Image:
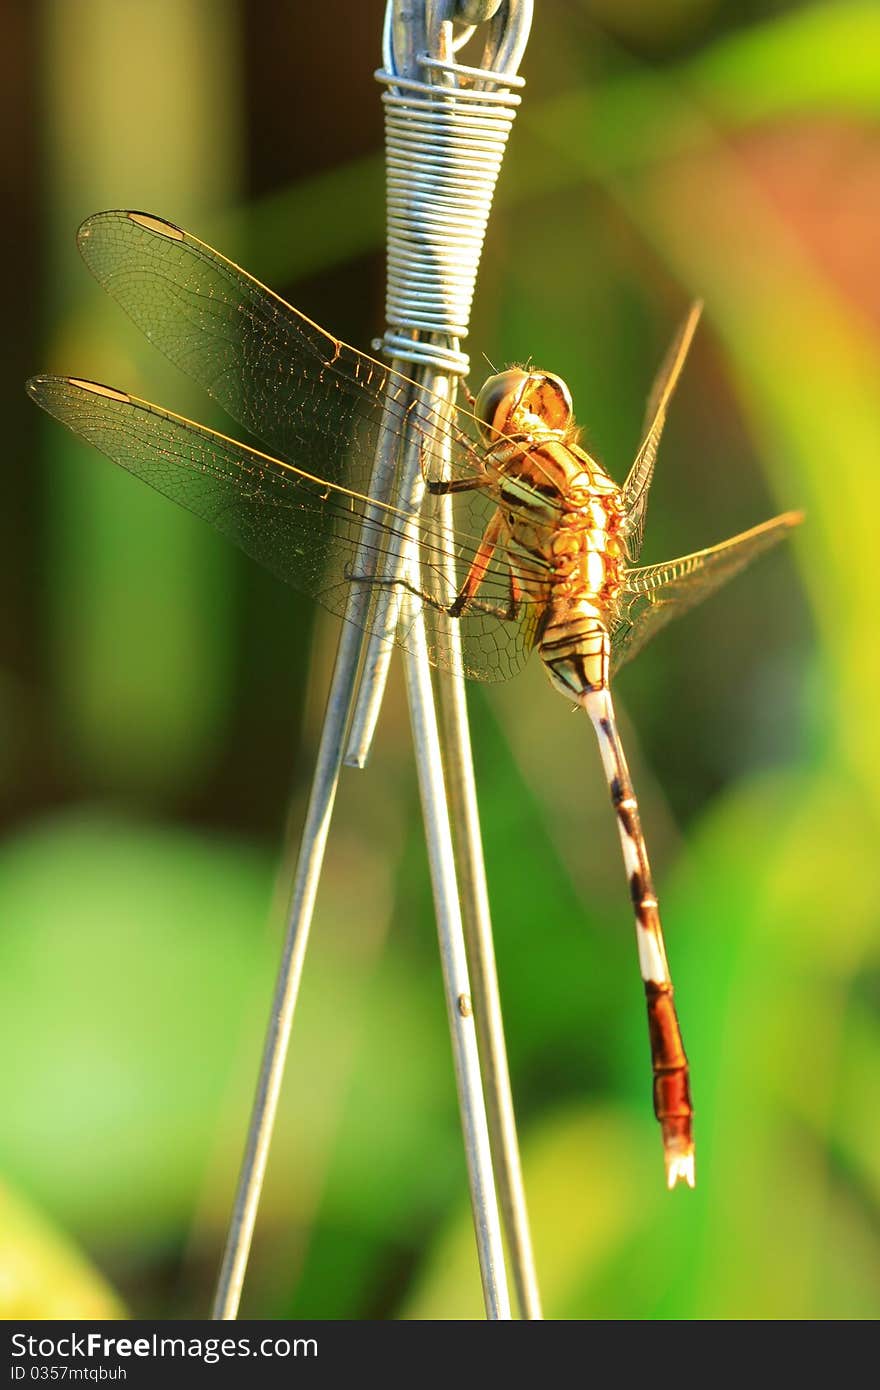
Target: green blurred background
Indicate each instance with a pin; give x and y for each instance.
(160, 697)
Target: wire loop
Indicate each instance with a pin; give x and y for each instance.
(445, 141)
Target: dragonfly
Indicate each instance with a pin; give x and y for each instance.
(520, 539)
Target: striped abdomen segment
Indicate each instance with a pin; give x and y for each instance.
(672, 1100)
(575, 648)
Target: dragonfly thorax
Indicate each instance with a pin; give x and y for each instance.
(524, 403)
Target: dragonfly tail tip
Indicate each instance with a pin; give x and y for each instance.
(680, 1166)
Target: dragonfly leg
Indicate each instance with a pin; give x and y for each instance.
(672, 1100)
(439, 488)
(466, 596)
(515, 597)
(493, 610)
(465, 600)
(478, 567)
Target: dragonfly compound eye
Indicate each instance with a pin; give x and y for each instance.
(497, 402)
(546, 403)
(518, 402)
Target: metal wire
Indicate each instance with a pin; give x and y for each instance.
(438, 206)
(300, 912)
(510, 40)
(477, 11)
(444, 145)
(460, 1007)
(445, 140)
(476, 917)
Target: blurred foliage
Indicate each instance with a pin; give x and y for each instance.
(43, 1275)
(158, 697)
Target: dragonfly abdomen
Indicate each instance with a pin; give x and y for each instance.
(575, 646)
(672, 1093)
(669, 1064)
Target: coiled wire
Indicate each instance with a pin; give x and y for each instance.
(445, 141)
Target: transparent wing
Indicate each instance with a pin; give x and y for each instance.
(638, 483)
(304, 394)
(301, 527)
(655, 594)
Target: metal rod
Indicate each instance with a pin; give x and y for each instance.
(477, 922)
(302, 903)
(429, 755)
(308, 873)
(411, 32)
(453, 957)
(460, 787)
(404, 35)
(438, 835)
(429, 761)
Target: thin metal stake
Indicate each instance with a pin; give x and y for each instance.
(461, 790)
(476, 919)
(453, 956)
(302, 905)
(462, 999)
(308, 873)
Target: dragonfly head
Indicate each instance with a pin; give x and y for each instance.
(520, 402)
